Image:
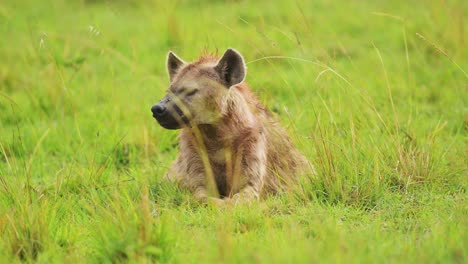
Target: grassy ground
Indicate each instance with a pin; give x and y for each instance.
(373, 93)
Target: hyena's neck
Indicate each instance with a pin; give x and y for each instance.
(231, 129)
(222, 134)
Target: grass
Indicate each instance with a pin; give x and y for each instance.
(372, 92)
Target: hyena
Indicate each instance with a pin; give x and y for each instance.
(231, 146)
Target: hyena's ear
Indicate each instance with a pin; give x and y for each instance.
(231, 68)
(174, 63)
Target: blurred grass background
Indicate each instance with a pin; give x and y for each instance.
(372, 92)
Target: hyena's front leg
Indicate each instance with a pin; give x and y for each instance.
(191, 175)
(252, 190)
(196, 183)
(252, 170)
(179, 172)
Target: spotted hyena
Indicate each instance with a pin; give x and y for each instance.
(231, 146)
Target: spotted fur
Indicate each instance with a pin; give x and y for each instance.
(232, 147)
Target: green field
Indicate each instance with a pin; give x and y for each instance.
(374, 94)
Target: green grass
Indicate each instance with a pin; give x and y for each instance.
(372, 92)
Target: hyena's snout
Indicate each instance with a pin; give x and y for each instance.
(159, 110)
(168, 114)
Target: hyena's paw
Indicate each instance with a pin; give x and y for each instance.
(216, 201)
(241, 198)
(205, 200)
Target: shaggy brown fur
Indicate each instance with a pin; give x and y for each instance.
(231, 147)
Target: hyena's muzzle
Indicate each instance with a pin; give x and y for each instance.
(168, 114)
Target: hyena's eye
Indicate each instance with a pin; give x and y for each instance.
(191, 93)
(186, 92)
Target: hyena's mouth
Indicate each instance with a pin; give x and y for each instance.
(173, 123)
(170, 117)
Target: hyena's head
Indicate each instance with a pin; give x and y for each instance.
(197, 89)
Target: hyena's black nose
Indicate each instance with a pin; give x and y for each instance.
(158, 110)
